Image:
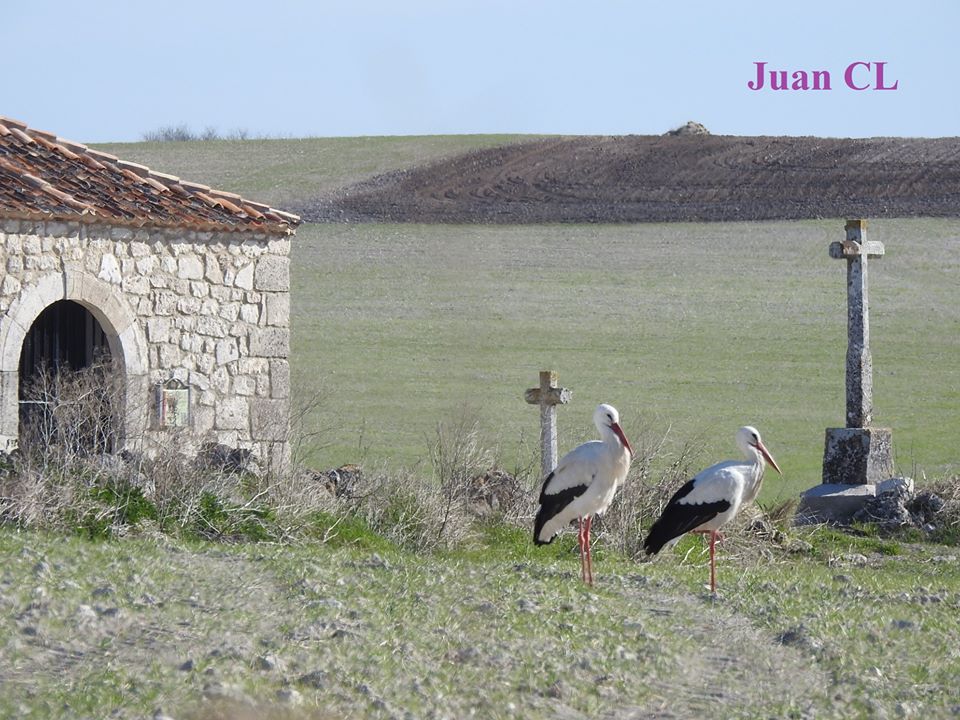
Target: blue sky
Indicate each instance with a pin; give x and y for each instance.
(111, 71)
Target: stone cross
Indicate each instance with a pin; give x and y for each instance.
(548, 396)
(858, 458)
(856, 249)
(858, 454)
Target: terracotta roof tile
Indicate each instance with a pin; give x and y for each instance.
(45, 177)
(21, 135)
(141, 170)
(252, 211)
(156, 184)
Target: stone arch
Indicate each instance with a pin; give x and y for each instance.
(125, 337)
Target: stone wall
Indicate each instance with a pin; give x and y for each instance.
(210, 309)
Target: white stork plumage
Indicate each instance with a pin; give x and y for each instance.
(713, 497)
(583, 484)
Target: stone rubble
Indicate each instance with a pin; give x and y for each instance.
(900, 506)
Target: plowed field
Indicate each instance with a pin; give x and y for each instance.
(662, 178)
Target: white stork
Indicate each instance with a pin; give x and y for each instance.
(583, 484)
(712, 498)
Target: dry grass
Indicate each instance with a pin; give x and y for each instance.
(408, 509)
(659, 468)
(947, 488)
(68, 475)
(64, 478)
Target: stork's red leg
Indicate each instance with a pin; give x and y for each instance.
(583, 567)
(713, 562)
(588, 521)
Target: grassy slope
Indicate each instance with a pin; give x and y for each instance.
(97, 630)
(279, 172)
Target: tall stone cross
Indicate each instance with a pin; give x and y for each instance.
(858, 454)
(548, 396)
(856, 250)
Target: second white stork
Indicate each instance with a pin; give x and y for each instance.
(583, 484)
(713, 497)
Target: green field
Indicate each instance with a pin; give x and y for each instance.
(284, 172)
(695, 327)
(698, 327)
(852, 628)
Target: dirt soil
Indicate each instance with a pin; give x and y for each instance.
(663, 178)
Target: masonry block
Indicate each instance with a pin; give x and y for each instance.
(190, 267)
(9, 407)
(270, 419)
(232, 413)
(857, 456)
(273, 274)
(833, 502)
(279, 379)
(278, 309)
(270, 342)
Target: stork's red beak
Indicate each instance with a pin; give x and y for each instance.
(623, 438)
(768, 457)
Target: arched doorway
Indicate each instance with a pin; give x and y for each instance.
(66, 391)
(124, 336)
(64, 336)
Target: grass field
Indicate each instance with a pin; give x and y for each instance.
(698, 327)
(695, 327)
(282, 172)
(853, 627)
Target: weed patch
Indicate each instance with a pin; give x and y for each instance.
(116, 509)
(347, 531)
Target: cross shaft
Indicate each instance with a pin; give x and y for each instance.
(548, 396)
(856, 250)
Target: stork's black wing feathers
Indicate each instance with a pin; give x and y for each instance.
(551, 504)
(679, 518)
(543, 487)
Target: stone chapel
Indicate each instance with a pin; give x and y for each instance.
(185, 289)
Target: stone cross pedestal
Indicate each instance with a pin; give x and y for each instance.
(548, 396)
(858, 456)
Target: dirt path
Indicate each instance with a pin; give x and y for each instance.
(724, 664)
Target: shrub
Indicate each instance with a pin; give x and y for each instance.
(182, 133)
(66, 477)
(68, 414)
(170, 133)
(947, 522)
(657, 471)
(457, 455)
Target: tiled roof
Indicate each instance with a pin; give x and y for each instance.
(43, 177)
